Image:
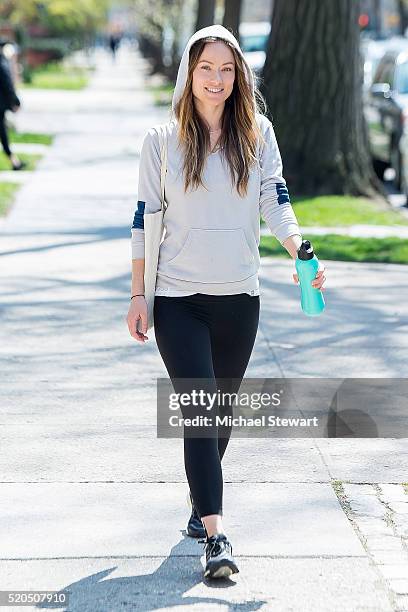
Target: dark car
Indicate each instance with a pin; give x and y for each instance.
(386, 112)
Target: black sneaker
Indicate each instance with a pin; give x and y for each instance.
(218, 555)
(195, 527)
(19, 166)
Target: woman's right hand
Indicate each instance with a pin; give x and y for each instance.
(137, 311)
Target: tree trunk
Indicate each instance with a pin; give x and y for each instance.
(403, 14)
(232, 16)
(205, 13)
(313, 88)
(153, 51)
(378, 18)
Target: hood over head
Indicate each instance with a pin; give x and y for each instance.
(214, 30)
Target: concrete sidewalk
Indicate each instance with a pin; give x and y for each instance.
(90, 500)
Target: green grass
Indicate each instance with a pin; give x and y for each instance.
(55, 75)
(345, 248)
(7, 192)
(30, 159)
(9, 189)
(30, 137)
(334, 210)
(344, 210)
(162, 94)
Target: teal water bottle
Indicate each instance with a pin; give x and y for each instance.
(307, 265)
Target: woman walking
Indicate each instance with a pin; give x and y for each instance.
(224, 170)
(8, 101)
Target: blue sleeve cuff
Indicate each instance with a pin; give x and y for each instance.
(138, 222)
(283, 194)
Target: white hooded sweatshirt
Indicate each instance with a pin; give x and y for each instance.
(211, 235)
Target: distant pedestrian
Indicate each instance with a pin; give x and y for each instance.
(114, 42)
(8, 101)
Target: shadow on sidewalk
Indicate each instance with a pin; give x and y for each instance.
(164, 588)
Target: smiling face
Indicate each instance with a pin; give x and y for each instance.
(214, 75)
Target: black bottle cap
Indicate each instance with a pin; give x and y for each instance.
(305, 251)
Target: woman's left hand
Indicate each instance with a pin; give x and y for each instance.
(318, 280)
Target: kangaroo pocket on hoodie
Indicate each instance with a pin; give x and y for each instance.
(212, 256)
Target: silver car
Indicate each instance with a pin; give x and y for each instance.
(253, 40)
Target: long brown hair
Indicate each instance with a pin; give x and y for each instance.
(240, 131)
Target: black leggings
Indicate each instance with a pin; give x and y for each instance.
(211, 337)
(3, 134)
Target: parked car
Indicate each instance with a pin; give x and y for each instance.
(404, 164)
(386, 112)
(372, 51)
(253, 40)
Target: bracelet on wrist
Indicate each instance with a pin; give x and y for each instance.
(137, 295)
